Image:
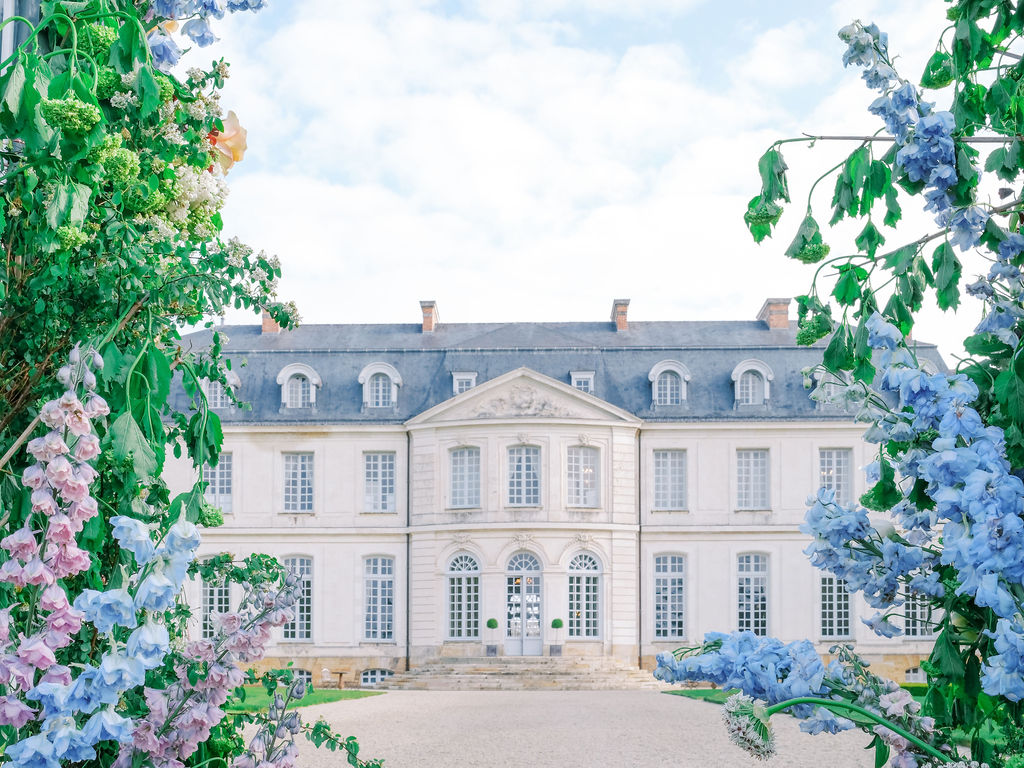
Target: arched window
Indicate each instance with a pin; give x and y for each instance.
(299, 392)
(752, 382)
(670, 597)
(301, 628)
(523, 603)
(582, 476)
(750, 388)
(752, 593)
(523, 561)
(584, 596)
(668, 380)
(380, 385)
(299, 384)
(463, 597)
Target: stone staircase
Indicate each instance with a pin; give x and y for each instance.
(524, 673)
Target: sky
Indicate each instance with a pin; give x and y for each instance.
(536, 159)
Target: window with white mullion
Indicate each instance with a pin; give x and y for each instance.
(298, 482)
(380, 391)
(379, 474)
(670, 479)
(752, 479)
(668, 389)
(582, 471)
(217, 395)
(584, 596)
(919, 619)
(301, 627)
(299, 392)
(464, 598)
(465, 478)
(752, 594)
(216, 599)
(524, 476)
(835, 472)
(379, 613)
(750, 388)
(218, 479)
(670, 597)
(835, 608)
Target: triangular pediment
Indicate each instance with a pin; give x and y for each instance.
(523, 394)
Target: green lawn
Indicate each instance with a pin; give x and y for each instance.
(256, 698)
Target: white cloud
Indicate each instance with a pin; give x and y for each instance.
(509, 165)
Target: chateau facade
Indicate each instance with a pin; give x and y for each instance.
(643, 482)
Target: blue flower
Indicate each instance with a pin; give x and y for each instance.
(213, 8)
(992, 594)
(966, 227)
(882, 334)
(52, 697)
(164, 50)
(183, 536)
(1012, 246)
(156, 592)
(88, 692)
(133, 535)
(905, 97)
(149, 644)
(107, 609)
(107, 725)
(200, 32)
(881, 626)
(120, 672)
(1003, 672)
(33, 752)
(69, 743)
(245, 5)
(825, 721)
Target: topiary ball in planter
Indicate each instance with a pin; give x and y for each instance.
(492, 623)
(556, 624)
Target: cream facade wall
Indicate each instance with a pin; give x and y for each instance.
(622, 530)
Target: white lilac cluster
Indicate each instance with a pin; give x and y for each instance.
(182, 714)
(198, 195)
(927, 152)
(747, 727)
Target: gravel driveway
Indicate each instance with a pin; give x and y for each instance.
(568, 729)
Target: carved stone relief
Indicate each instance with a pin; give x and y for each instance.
(522, 400)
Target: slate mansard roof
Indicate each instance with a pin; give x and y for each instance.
(621, 362)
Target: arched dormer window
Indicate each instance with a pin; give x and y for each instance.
(752, 382)
(299, 383)
(380, 385)
(668, 383)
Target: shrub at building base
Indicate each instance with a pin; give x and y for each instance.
(113, 179)
(950, 447)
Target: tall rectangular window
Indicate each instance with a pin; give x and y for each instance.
(379, 614)
(670, 597)
(752, 479)
(216, 599)
(298, 482)
(302, 627)
(835, 472)
(918, 618)
(582, 476)
(218, 479)
(524, 476)
(835, 609)
(752, 593)
(465, 477)
(670, 479)
(379, 478)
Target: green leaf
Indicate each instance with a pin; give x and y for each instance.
(884, 494)
(945, 656)
(127, 440)
(947, 269)
(773, 176)
(14, 89)
(807, 246)
(900, 260)
(1009, 390)
(148, 91)
(1005, 161)
(893, 211)
(986, 345)
(839, 352)
(938, 72)
(847, 290)
(846, 199)
(760, 217)
(881, 751)
(869, 239)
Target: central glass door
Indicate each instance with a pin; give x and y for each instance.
(523, 613)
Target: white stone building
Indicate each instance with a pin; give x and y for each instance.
(641, 482)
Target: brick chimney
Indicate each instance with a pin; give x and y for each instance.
(270, 324)
(431, 318)
(775, 314)
(619, 309)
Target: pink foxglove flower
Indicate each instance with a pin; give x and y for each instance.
(42, 501)
(74, 488)
(34, 477)
(58, 673)
(21, 544)
(15, 712)
(69, 402)
(66, 622)
(59, 471)
(52, 415)
(36, 653)
(5, 625)
(37, 573)
(54, 598)
(62, 529)
(87, 447)
(79, 423)
(83, 510)
(68, 561)
(96, 406)
(12, 572)
(55, 444)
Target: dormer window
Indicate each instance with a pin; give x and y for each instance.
(583, 381)
(299, 384)
(668, 383)
(380, 385)
(463, 381)
(752, 383)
